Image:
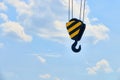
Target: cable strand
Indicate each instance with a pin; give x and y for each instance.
(80, 9)
(68, 10)
(84, 10)
(72, 8)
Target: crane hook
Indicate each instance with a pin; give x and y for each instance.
(74, 47)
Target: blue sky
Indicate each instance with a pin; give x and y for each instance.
(35, 45)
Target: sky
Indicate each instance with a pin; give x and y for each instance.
(35, 45)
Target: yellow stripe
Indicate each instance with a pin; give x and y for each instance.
(69, 23)
(74, 34)
(75, 26)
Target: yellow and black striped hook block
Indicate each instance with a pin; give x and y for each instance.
(75, 29)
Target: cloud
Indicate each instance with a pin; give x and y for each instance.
(101, 65)
(59, 32)
(16, 28)
(40, 58)
(4, 17)
(94, 19)
(3, 6)
(97, 32)
(57, 78)
(36, 11)
(56, 33)
(45, 76)
(48, 76)
(1, 45)
(21, 6)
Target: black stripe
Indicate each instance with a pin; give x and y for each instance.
(78, 28)
(79, 35)
(72, 24)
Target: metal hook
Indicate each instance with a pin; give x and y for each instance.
(74, 47)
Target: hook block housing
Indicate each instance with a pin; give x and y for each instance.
(75, 29)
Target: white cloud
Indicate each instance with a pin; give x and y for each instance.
(3, 6)
(16, 28)
(57, 78)
(58, 31)
(4, 17)
(48, 76)
(35, 10)
(40, 58)
(1, 45)
(45, 76)
(21, 6)
(94, 19)
(97, 32)
(101, 65)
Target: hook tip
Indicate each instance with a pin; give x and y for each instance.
(74, 47)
